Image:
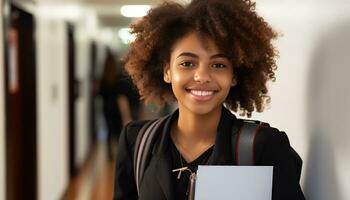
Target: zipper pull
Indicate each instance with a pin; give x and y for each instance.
(192, 186)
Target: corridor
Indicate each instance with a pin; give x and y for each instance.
(65, 95)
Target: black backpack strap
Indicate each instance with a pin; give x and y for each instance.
(143, 146)
(245, 142)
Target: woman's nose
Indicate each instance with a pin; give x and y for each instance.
(202, 75)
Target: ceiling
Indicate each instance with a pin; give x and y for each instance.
(107, 11)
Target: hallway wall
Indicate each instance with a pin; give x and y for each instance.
(83, 39)
(2, 113)
(82, 117)
(52, 90)
(311, 97)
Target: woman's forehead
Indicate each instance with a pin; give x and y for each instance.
(194, 42)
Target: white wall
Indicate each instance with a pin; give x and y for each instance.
(2, 113)
(52, 107)
(311, 97)
(82, 104)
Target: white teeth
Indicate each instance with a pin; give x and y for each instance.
(202, 93)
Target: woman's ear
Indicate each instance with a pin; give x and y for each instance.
(234, 82)
(166, 74)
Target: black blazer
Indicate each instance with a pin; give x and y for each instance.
(273, 149)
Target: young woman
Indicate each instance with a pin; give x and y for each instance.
(212, 57)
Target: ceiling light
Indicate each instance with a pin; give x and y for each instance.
(134, 10)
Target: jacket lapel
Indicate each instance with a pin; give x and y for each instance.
(163, 155)
(163, 174)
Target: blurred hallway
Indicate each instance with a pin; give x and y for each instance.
(53, 58)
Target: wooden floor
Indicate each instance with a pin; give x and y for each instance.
(96, 179)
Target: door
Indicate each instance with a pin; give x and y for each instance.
(20, 101)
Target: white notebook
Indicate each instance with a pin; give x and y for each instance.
(233, 182)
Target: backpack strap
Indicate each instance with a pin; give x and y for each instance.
(245, 141)
(143, 146)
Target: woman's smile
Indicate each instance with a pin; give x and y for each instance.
(201, 95)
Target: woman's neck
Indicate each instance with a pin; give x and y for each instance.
(193, 134)
(194, 128)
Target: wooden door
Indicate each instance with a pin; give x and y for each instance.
(21, 104)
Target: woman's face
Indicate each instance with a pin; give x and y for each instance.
(200, 75)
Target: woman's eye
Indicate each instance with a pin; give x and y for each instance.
(219, 65)
(187, 64)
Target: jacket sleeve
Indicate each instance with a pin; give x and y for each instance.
(125, 187)
(276, 152)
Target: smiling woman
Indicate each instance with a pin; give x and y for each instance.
(203, 55)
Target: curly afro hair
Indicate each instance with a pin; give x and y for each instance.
(235, 28)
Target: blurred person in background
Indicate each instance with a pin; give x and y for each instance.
(120, 99)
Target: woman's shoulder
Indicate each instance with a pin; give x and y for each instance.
(272, 136)
(273, 148)
(131, 130)
(272, 145)
(135, 125)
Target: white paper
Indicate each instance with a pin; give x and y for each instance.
(233, 182)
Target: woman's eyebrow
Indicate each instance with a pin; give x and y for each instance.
(219, 55)
(189, 54)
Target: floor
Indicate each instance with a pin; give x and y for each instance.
(96, 179)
